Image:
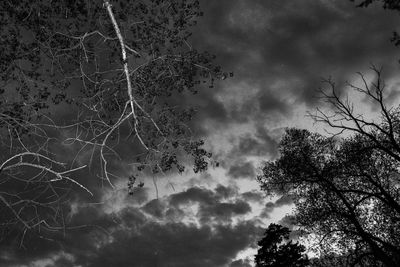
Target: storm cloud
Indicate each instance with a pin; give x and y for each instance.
(278, 52)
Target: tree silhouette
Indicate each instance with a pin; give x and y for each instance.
(346, 190)
(93, 85)
(276, 251)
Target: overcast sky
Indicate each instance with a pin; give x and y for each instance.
(278, 52)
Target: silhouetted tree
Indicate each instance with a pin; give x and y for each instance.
(346, 190)
(93, 84)
(276, 251)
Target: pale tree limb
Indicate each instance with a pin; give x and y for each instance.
(132, 100)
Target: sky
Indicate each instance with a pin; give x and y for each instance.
(279, 51)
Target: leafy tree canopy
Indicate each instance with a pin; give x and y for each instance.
(276, 251)
(346, 190)
(93, 85)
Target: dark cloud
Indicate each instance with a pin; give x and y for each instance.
(289, 221)
(226, 191)
(155, 207)
(242, 170)
(83, 232)
(203, 195)
(284, 200)
(262, 143)
(174, 244)
(251, 146)
(211, 204)
(278, 51)
(194, 194)
(270, 206)
(281, 50)
(224, 211)
(269, 102)
(208, 105)
(174, 214)
(139, 195)
(254, 196)
(296, 233)
(129, 236)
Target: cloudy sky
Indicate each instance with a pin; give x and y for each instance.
(278, 52)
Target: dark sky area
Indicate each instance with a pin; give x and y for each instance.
(278, 52)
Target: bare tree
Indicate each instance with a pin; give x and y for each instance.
(383, 134)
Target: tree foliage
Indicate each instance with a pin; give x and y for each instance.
(346, 190)
(93, 84)
(276, 251)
